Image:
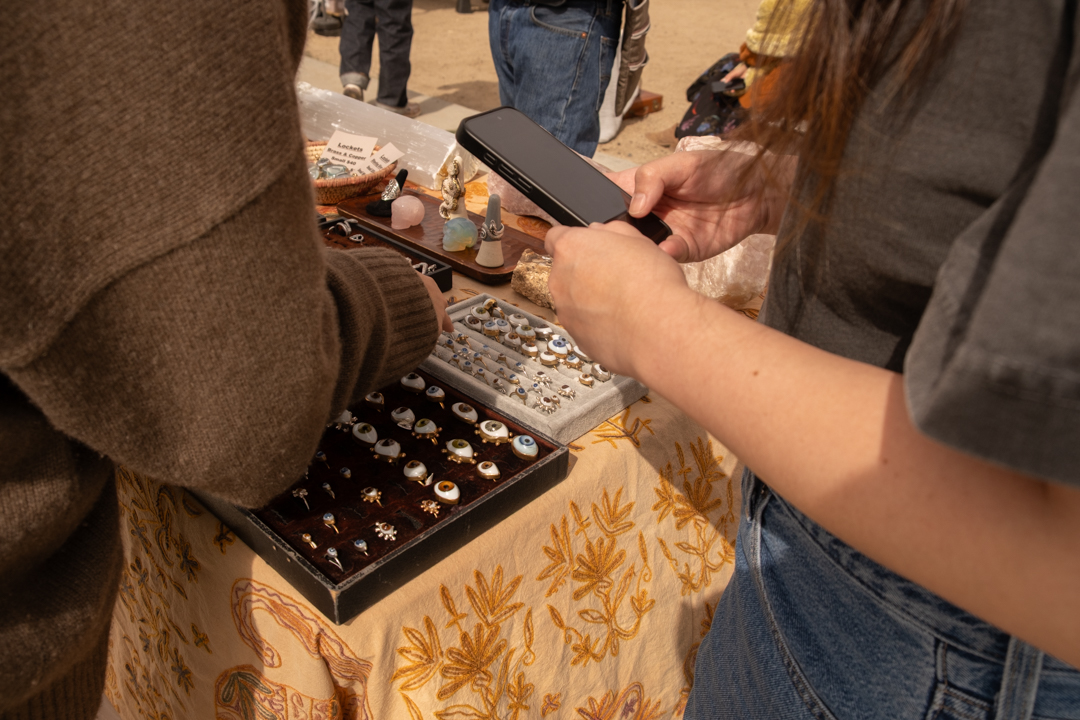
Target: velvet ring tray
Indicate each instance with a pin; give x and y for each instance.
(516, 363)
(347, 233)
(390, 493)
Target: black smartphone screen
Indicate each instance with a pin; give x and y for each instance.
(549, 173)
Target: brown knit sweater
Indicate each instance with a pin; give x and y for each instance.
(165, 302)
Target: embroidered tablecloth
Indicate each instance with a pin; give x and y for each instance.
(588, 603)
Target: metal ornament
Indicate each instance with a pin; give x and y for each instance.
(447, 492)
(332, 556)
(372, 495)
(329, 490)
(306, 537)
(493, 431)
(360, 545)
(426, 429)
(301, 494)
(387, 450)
(488, 470)
(413, 383)
(328, 521)
(524, 447)
(459, 451)
(385, 531)
(430, 506)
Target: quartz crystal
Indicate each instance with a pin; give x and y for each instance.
(407, 211)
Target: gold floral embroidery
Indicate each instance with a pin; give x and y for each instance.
(484, 672)
(614, 429)
(161, 566)
(631, 704)
(552, 702)
(691, 658)
(244, 693)
(224, 537)
(595, 571)
(710, 548)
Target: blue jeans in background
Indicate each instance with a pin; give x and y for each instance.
(810, 628)
(554, 62)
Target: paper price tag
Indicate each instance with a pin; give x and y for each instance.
(381, 159)
(352, 151)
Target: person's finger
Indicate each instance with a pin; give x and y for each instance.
(624, 179)
(676, 247)
(553, 237)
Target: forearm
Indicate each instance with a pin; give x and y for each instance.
(833, 436)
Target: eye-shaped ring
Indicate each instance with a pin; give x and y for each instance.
(542, 377)
(512, 339)
(521, 394)
(517, 319)
(586, 379)
(387, 450)
(465, 412)
(416, 470)
(332, 556)
(600, 372)
(474, 323)
(491, 328)
(426, 429)
(567, 391)
(503, 326)
(543, 332)
(360, 545)
(525, 447)
(413, 383)
(436, 394)
(580, 354)
(493, 431)
(462, 339)
(404, 417)
(529, 349)
(365, 433)
(480, 313)
(546, 405)
(573, 361)
(375, 400)
(549, 359)
(372, 495)
(488, 470)
(459, 451)
(526, 332)
(558, 347)
(447, 492)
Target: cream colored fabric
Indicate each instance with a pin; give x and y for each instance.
(778, 27)
(588, 602)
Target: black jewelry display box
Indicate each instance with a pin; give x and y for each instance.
(373, 498)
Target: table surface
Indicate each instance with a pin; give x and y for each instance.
(589, 602)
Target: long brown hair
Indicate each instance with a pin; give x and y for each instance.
(848, 48)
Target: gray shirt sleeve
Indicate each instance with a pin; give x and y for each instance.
(994, 368)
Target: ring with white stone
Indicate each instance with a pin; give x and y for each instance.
(447, 492)
(488, 470)
(459, 451)
(413, 383)
(375, 400)
(387, 450)
(365, 433)
(600, 372)
(416, 470)
(493, 431)
(425, 429)
(524, 447)
(403, 416)
(465, 412)
(332, 556)
(372, 495)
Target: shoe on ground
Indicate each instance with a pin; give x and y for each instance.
(410, 110)
(327, 25)
(354, 91)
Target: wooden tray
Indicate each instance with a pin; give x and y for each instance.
(438, 270)
(422, 539)
(427, 237)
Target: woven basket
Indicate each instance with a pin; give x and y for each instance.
(331, 191)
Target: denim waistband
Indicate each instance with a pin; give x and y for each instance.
(937, 616)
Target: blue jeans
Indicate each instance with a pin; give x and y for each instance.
(809, 628)
(554, 63)
(392, 21)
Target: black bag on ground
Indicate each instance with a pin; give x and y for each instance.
(712, 111)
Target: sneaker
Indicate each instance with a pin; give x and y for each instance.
(354, 91)
(410, 110)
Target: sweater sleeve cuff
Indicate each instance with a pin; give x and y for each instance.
(380, 287)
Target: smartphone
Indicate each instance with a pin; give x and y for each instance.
(549, 173)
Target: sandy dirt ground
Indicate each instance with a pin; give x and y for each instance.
(451, 59)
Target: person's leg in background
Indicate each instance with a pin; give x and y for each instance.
(395, 31)
(554, 63)
(357, 36)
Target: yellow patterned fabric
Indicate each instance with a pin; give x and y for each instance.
(588, 603)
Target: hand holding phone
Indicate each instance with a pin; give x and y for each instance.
(549, 173)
